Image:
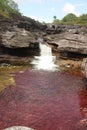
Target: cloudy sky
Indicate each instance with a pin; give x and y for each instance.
(44, 10)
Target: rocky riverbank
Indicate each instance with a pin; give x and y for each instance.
(71, 42)
(19, 39)
(68, 38)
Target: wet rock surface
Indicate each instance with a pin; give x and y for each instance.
(18, 128)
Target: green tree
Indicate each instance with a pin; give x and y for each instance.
(55, 20)
(70, 18)
(7, 7)
(54, 17)
(13, 5)
(2, 5)
(82, 19)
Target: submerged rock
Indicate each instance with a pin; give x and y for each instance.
(18, 128)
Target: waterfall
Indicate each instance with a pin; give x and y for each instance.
(45, 61)
(45, 50)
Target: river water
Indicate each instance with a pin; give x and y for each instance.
(42, 97)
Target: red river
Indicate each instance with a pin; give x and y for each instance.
(44, 100)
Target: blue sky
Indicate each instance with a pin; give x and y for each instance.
(44, 10)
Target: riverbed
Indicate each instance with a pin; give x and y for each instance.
(47, 94)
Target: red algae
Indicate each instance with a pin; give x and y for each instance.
(44, 100)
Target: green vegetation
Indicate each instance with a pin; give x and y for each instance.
(7, 7)
(83, 19)
(71, 19)
(56, 21)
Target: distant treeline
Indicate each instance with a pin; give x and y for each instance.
(7, 7)
(71, 19)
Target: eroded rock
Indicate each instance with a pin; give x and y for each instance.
(69, 42)
(18, 38)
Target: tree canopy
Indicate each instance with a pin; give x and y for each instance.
(83, 19)
(55, 20)
(8, 6)
(71, 19)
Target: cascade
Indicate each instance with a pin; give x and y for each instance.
(46, 61)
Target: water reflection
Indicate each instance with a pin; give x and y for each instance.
(46, 61)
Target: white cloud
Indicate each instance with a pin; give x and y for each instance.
(70, 8)
(52, 9)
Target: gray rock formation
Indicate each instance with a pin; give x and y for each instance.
(19, 35)
(21, 22)
(68, 42)
(18, 38)
(74, 29)
(73, 43)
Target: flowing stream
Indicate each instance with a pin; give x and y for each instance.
(46, 61)
(42, 98)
